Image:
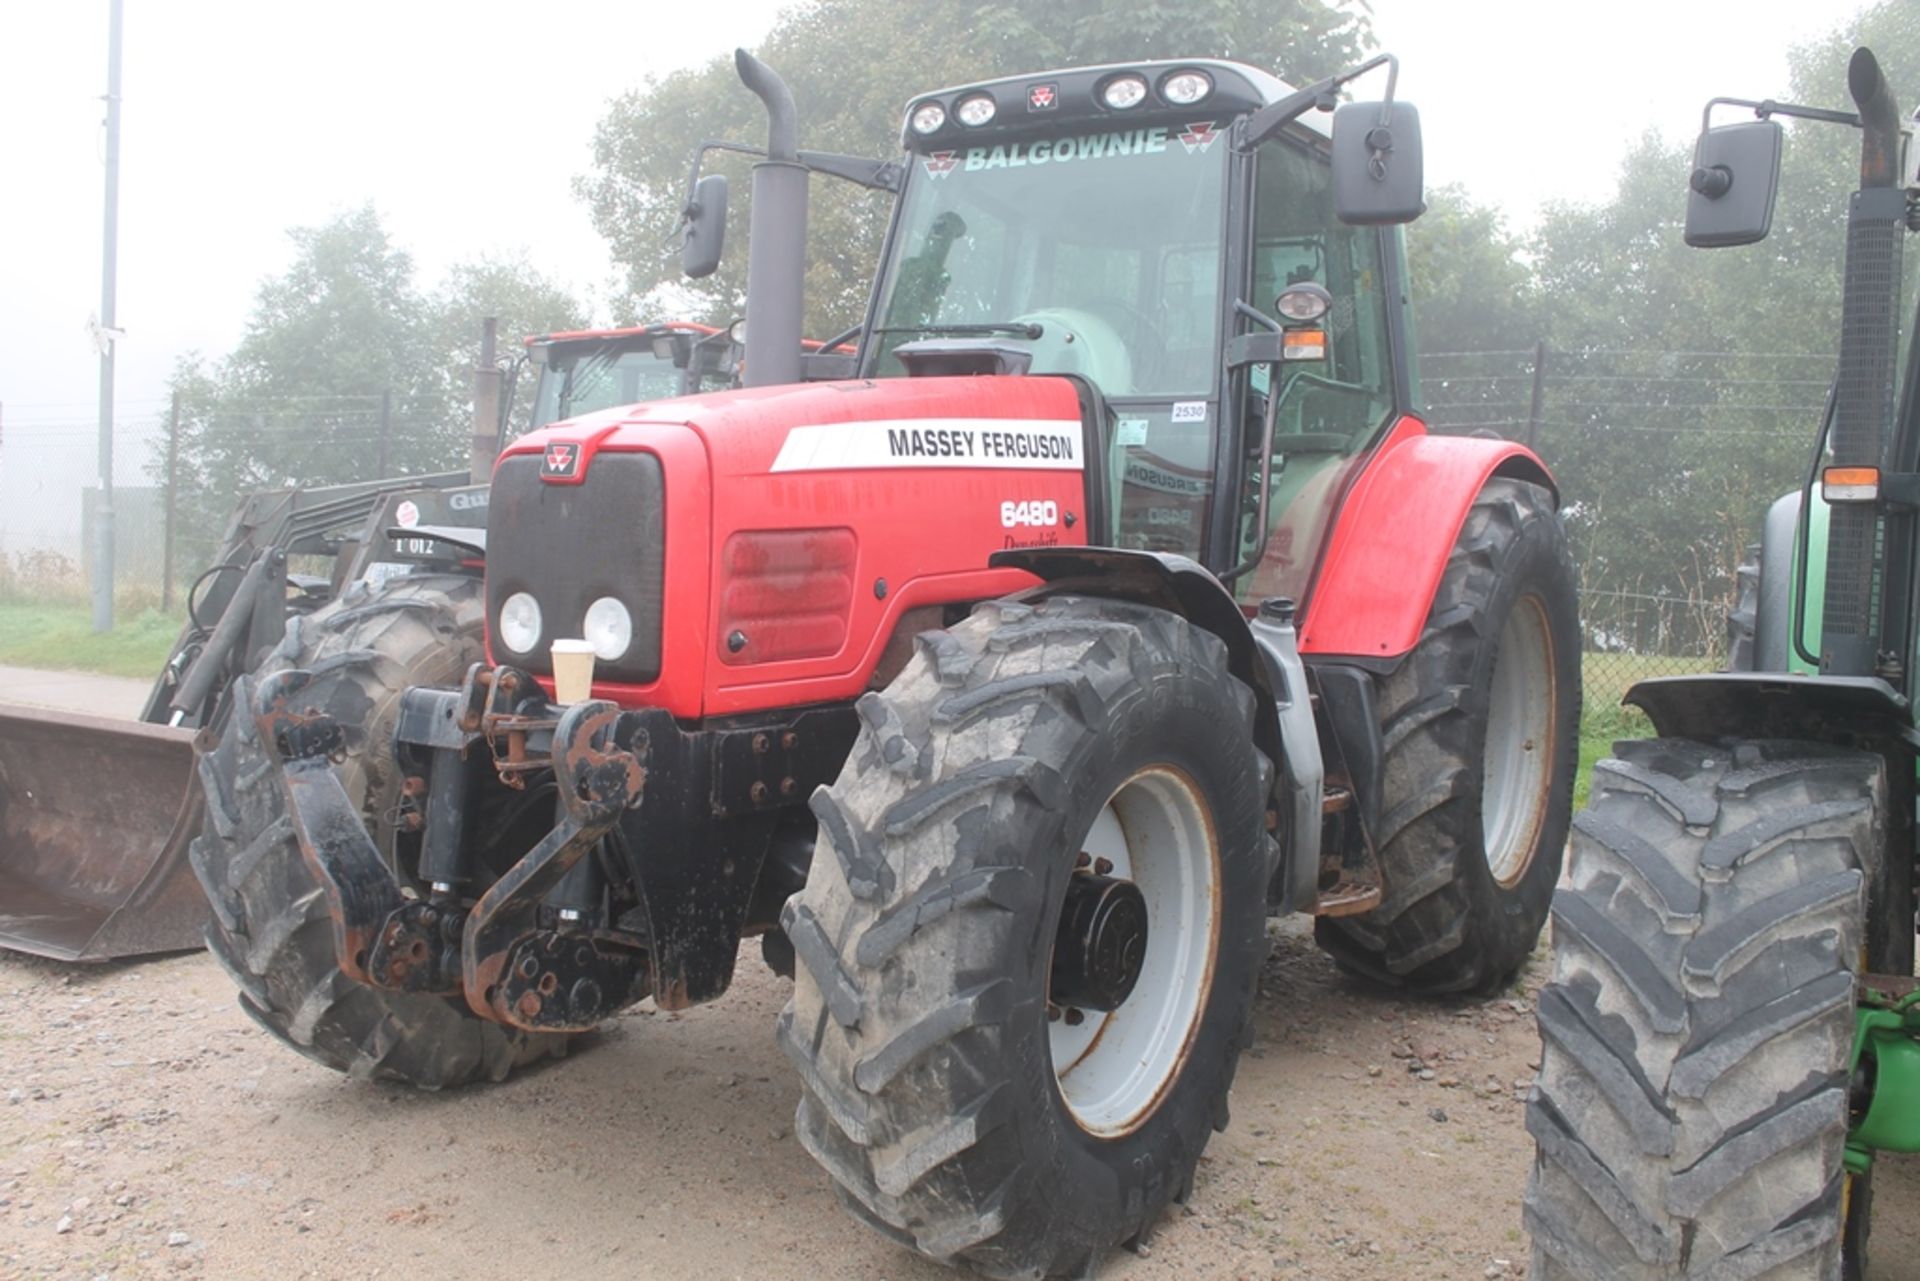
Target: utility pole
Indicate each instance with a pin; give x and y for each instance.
(109, 255)
(173, 489)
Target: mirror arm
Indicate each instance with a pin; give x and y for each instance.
(876, 175)
(1258, 317)
(1768, 107)
(1264, 123)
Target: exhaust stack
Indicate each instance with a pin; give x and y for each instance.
(777, 249)
(1864, 388)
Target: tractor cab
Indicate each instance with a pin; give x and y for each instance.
(1132, 227)
(585, 370)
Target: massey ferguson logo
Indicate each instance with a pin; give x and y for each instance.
(1043, 97)
(561, 461)
(941, 163)
(1199, 137)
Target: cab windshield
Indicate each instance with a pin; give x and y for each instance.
(1108, 242)
(579, 378)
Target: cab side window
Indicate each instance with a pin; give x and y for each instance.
(1297, 238)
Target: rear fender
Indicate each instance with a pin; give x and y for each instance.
(1849, 710)
(1393, 535)
(1283, 719)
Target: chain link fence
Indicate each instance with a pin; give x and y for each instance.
(1667, 462)
(179, 474)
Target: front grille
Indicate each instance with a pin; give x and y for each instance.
(569, 545)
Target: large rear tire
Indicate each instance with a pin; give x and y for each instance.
(271, 930)
(953, 1114)
(1691, 1108)
(1481, 727)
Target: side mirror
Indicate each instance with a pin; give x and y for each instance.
(1736, 171)
(704, 230)
(1376, 167)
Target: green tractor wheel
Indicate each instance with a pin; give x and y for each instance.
(1693, 1106)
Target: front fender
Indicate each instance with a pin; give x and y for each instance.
(1393, 535)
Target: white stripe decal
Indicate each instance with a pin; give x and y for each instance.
(1047, 444)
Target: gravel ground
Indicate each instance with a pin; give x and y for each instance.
(148, 1128)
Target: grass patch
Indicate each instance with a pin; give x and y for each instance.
(62, 637)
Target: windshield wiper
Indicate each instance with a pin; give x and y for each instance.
(1027, 330)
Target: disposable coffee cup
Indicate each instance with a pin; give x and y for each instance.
(572, 671)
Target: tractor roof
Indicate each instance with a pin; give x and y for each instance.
(636, 331)
(1071, 96)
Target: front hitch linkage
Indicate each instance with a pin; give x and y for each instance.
(509, 967)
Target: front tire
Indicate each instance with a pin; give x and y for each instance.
(271, 929)
(953, 1115)
(1691, 1109)
(1481, 724)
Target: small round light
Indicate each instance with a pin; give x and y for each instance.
(520, 623)
(1184, 88)
(1303, 301)
(975, 111)
(737, 333)
(1124, 91)
(927, 117)
(608, 628)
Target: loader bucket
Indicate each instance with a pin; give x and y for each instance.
(95, 819)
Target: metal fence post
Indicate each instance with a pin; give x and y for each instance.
(1539, 391)
(386, 431)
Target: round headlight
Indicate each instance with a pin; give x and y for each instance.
(1124, 91)
(1303, 301)
(608, 628)
(1184, 88)
(975, 111)
(927, 117)
(520, 623)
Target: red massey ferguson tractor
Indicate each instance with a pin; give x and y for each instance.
(963, 670)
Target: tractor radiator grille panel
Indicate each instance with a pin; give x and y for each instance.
(1862, 419)
(569, 545)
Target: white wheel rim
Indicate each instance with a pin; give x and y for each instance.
(1114, 1068)
(1517, 768)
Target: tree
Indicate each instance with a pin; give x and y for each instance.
(853, 65)
(347, 371)
(344, 327)
(521, 299)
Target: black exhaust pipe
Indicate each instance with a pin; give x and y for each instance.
(1879, 121)
(777, 236)
(1850, 641)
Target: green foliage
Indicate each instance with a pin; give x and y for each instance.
(1670, 457)
(347, 371)
(1472, 291)
(853, 65)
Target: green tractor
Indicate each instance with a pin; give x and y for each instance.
(1732, 1033)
